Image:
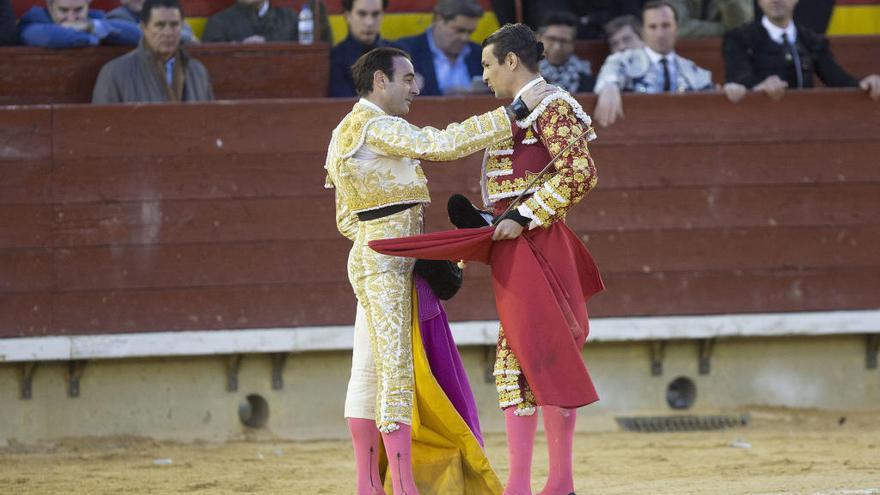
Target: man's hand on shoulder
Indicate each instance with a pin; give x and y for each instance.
(536, 94)
(871, 84)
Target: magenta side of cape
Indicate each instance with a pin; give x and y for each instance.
(443, 357)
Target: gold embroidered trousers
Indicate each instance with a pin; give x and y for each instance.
(383, 286)
(513, 389)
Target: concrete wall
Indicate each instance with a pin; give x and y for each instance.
(186, 399)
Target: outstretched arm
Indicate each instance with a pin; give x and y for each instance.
(394, 136)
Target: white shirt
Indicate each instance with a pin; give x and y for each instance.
(370, 104)
(656, 66)
(776, 32)
(529, 85)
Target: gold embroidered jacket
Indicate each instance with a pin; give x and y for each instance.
(511, 165)
(373, 158)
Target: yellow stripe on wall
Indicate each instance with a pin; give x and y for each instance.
(197, 24)
(855, 19)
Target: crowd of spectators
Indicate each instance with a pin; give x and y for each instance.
(769, 46)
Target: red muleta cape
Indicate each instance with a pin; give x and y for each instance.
(542, 280)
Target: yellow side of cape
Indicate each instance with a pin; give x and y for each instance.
(447, 459)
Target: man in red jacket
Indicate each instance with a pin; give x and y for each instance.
(542, 279)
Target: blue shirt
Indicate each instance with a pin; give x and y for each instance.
(169, 71)
(449, 74)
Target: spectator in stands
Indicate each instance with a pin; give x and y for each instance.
(159, 69)
(130, 10)
(773, 53)
(7, 23)
(70, 23)
(624, 33)
(364, 18)
(257, 21)
(560, 65)
(814, 14)
(592, 15)
(445, 59)
(655, 68)
(698, 18)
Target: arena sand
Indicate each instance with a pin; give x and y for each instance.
(781, 452)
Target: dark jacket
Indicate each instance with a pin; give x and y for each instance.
(342, 57)
(36, 28)
(279, 24)
(423, 61)
(750, 56)
(7, 24)
(593, 14)
(136, 77)
(241, 21)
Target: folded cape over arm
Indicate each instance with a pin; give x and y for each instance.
(542, 280)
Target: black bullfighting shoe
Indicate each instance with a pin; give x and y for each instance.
(465, 215)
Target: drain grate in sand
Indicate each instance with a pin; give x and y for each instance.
(681, 422)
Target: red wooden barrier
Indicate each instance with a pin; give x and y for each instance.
(30, 75)
(179, 217)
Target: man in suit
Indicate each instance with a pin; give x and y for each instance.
(592, 15)
(774, 53)
(654, 68)
(445, 59)
(159, 69)
(258, 21)
(815, 14)
(364, 19)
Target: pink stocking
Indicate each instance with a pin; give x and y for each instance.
(559, 427)
(520, 444)
(365, 438)
(398, 445)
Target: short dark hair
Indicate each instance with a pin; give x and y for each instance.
(518, 39)
(450, 9)
(659, 4)
(347, 5)
(618, 23)
(149, 5)
(382, 59)
(558, 18)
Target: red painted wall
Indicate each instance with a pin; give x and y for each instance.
(177, 217)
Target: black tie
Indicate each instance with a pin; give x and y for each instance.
(667, 84)
(796, 58)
